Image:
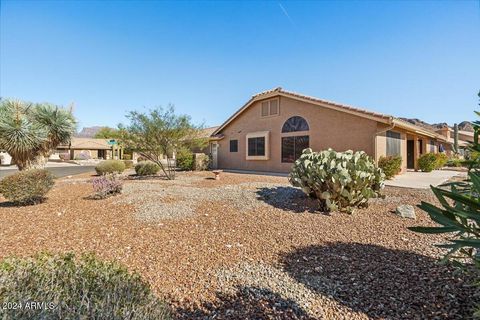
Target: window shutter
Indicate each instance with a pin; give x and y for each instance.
(273, 107)
(265, 108)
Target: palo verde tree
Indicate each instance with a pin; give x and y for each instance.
(108, 133)
(30, 132)
(157, 134)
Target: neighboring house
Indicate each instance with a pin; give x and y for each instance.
(204, 134)
(464, 138)
(90, 148)
(270, 131)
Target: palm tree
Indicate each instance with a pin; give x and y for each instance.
(29, 132)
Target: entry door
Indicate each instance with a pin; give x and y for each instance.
(410, 155)
(214, 155)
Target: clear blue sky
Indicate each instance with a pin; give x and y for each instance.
(412, 59)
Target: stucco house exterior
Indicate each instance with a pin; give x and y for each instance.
(270, 131)
(90, 148)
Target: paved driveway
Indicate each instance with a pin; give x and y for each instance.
(422, 180)
(59, 172)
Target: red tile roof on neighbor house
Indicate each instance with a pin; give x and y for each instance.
(334, 105)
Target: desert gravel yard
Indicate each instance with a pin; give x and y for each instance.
(250, 247)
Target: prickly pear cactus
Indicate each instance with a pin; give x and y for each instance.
(342, 181)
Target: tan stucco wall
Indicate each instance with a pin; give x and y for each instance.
(381, 143)
(328, 129)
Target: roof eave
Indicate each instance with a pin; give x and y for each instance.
(278, 92)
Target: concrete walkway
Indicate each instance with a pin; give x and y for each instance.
(423, 180)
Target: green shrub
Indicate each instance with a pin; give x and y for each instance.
(146, 168)
(76, 288)
(128, 164)
(391, 165)
(127, 156)
(340, 180)
(441, 160)
(27, 187)
(110, 166)
(427, 162)
(185, 159)
(455, 162)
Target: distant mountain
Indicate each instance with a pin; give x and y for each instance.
(88, 132)
(463, 126)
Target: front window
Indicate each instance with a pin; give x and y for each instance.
(256, 146)
(233, 145)
(292, 147)
(393, 143)
(295, 124)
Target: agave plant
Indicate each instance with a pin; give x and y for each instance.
(459, 213)
(30, 131)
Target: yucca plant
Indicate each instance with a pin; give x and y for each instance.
(29, 132)
(59, 124)
(21, 137)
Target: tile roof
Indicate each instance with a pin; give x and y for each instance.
(87, 143)
(335, 104)
(338, 106)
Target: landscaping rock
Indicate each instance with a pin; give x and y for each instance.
(406, 211)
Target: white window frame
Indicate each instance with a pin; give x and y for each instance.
(259, 134)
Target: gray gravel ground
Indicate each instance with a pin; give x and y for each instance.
(263, 280)
(156, 200)
(361, 266)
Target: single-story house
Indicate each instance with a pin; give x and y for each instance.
(270, 131)
(89, 148)
(464, 139)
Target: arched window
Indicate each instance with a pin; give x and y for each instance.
(294, 124)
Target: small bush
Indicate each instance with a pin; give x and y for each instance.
(110, 166)
(128, 164)
(340, 180)
(185, 159)
(441, 160)
(454, 162)
(106, 186)
(391, 165)
(76, 288)
(427, 162)
(27, 187)
(127, 156)
(146, 168)
(202, 162)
